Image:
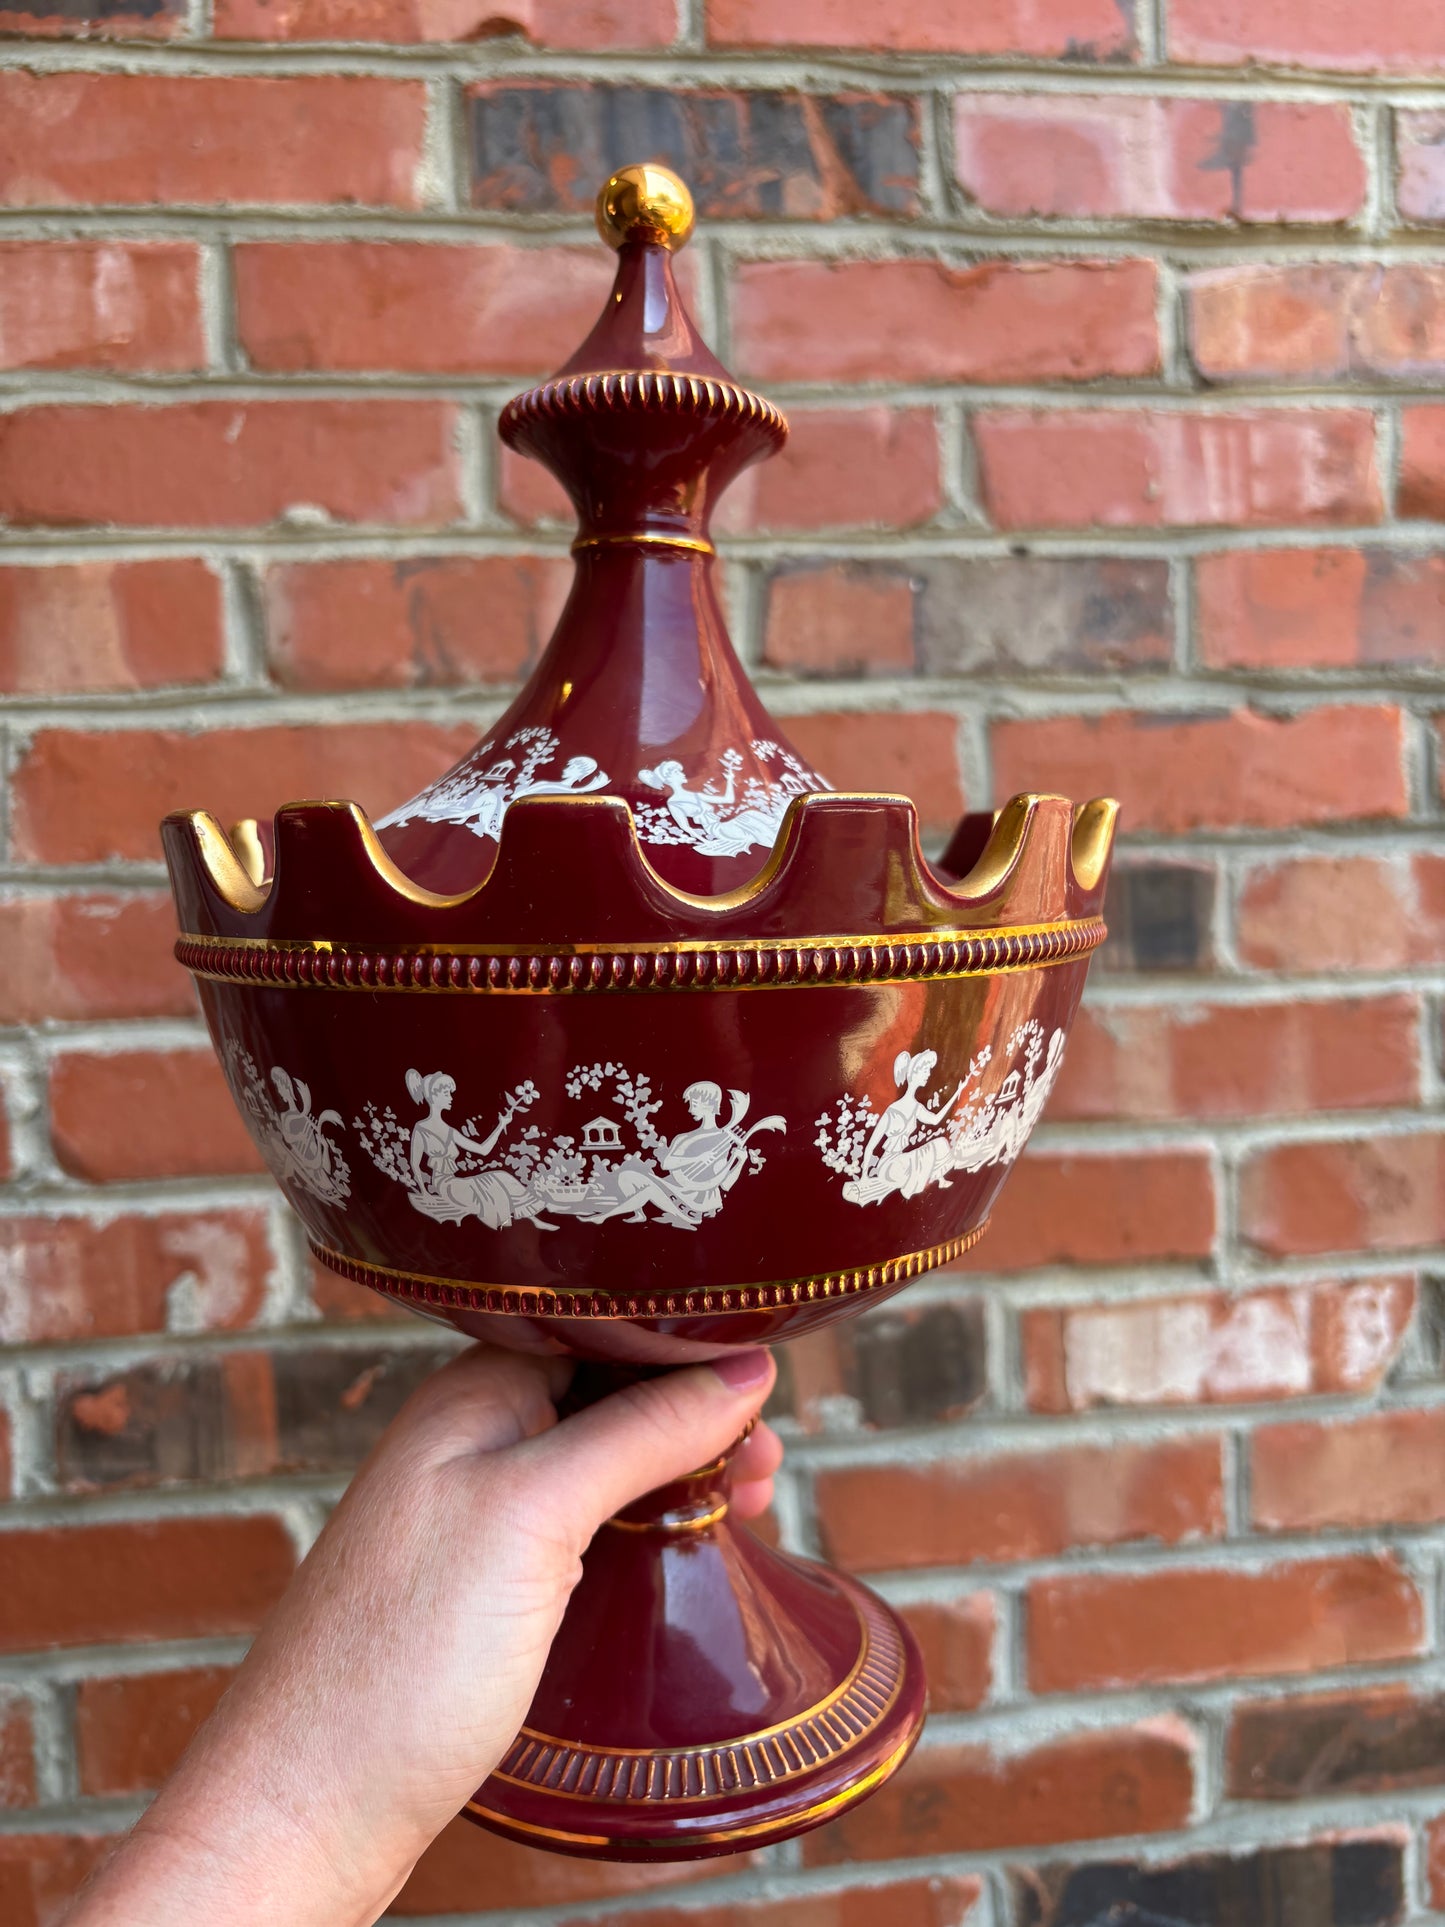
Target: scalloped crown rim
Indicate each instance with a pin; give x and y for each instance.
(1085, 858)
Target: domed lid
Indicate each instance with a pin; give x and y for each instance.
(639, 693)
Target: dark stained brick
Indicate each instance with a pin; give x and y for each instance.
(899, 1365)
(1328, 1883)
(75, 15)
(245, 1415)
(1017, 613)
(542, 149)
(1160, 918)
(1337, 1743)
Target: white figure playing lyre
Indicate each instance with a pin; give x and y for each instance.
(689, 1176)
(896, 1157)
(316, 1161)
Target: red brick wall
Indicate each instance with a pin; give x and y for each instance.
(1111, 332)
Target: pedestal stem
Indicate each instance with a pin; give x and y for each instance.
(705, 1694)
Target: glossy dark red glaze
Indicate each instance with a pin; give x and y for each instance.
(550, 1085)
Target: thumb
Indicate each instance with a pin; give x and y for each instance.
(648, 1434)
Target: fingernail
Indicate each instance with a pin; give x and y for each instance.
(741, 1371)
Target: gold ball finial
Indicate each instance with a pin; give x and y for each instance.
(645, 200)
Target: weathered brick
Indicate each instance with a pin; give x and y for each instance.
(1181, 1060)
(1329, 608)
(1101, 1209)
(924, 321)
(956, 1639)
(1319, 322)
(1087, 1631)
(358, 305)
(1422, 462)
(1160, 917)
(1407, 36)
(1212, 1348)
(900, 1365)
(100, 304)
(1147, 468)
(93, 19)
(243, 1415)
(145, 1114)
(1220, 770)
(877, 1518)
(873, 466)
(1379, 1193)
(602, 24)
(69, 138)
(1341, 1881)
(540, 148)
(71, 628)
(379, 624)
(1092, 30)
(132, 1728)
(1420, 166)
(1380, 1470)
(965, 1799)
(1343, 912)
(17, 1753)
(908, 752)
(841, 619)
(83, 1585)
(1163, 159)
(41, 1872)
(1377, 1741)
(64, 1278)
(144, 773)
(90, 956)
(230, 464)
(938, 1900)
(968, 616)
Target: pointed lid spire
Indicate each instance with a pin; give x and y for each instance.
(639, 693)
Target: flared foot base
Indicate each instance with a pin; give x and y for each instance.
(741, 1791)
(705, 1694)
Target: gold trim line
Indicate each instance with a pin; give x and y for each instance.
(685, 964)
(711, 1301)
(645, 540)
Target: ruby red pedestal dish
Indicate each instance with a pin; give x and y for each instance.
(629, 1039)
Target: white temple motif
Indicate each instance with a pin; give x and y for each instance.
(476, 797)
(292, 1141)
(919, 1141)
(616, 1168)
(718, 816)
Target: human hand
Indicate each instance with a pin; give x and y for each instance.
(396, 1670)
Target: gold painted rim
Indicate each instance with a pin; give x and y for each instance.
(781, 1824)
(547, 1301)
(686, 964)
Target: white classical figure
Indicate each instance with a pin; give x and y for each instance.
(908, 1148)
(441, 1189)
(686, 1179)
(315, 1161)
(478, 799)
(710, 819)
